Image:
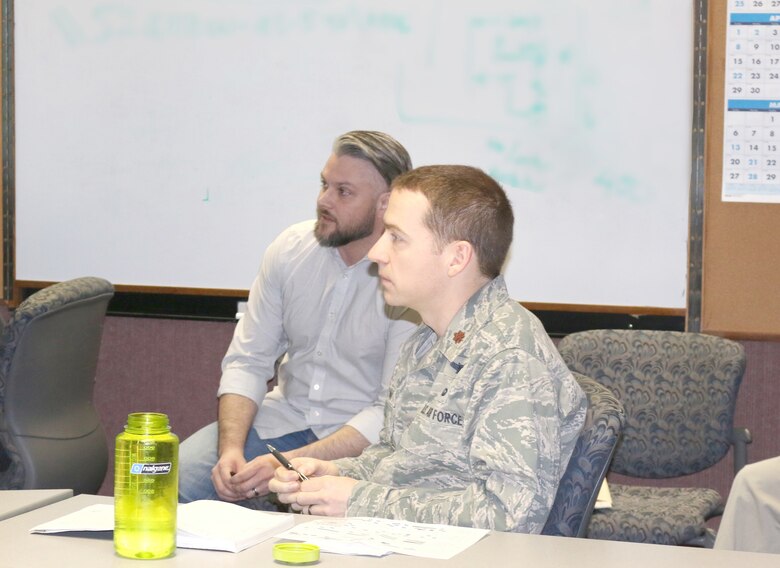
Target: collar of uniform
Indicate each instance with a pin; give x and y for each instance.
(472, 317)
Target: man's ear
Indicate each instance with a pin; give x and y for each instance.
(461, 255)
(384, 197)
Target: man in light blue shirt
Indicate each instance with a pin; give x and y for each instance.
(317, 302)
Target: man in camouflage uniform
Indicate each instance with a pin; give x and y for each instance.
(482, 414)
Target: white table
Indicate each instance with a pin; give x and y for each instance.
(498, 550)
(15, 502)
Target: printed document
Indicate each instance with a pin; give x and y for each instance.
(370, 536)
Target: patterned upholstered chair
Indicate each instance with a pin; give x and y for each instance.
(589, 462)
(50, 433)
(679, 392)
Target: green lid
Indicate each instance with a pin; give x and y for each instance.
(296, 553)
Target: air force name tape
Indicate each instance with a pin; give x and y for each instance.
(150, 468)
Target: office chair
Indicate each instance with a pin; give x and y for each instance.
(679, 392)
(50, 434)
(579, 486)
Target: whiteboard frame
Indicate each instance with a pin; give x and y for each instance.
(693, 288)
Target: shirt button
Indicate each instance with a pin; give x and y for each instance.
(319, 353)
(316, 387)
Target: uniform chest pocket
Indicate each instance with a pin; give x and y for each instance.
(438, 434)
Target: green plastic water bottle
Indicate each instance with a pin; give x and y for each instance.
(146, 487)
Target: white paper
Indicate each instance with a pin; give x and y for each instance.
(217, 525)
(604, 498)
(210, 525)
(376, 537)
(91, 518)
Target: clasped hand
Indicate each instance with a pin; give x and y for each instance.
(235, 479)
(324, 493)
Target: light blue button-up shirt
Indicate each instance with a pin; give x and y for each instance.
(340, 338)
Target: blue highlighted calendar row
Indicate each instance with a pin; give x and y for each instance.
(757, 19)
(766, 105)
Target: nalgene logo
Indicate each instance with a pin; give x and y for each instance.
(150, 468)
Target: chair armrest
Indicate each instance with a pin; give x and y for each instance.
(740, 438)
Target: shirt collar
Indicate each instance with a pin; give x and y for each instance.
(334, 252)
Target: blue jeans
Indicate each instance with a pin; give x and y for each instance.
(198, 455)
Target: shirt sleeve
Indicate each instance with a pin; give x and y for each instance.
(259, 339)
(515, 460)
(360, 467)
(368, 421)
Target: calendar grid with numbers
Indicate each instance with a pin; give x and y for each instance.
(751, 145)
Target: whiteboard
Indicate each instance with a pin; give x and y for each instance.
(165, 144)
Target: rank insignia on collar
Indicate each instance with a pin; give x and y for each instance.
(458, 336)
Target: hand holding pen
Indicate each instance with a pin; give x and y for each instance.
(326, 492)
(285, 462)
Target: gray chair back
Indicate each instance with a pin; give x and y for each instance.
(50, 432)
(678, 389)
(579, 486)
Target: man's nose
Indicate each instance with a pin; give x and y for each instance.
(323, 199)
(377, 252)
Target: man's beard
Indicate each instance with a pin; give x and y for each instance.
(339, 238)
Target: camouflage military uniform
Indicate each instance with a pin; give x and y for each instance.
(479, 424)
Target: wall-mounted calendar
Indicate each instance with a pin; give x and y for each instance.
(751, 145)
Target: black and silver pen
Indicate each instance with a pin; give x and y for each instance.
(283, 460)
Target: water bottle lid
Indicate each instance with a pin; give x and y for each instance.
(296, 553)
